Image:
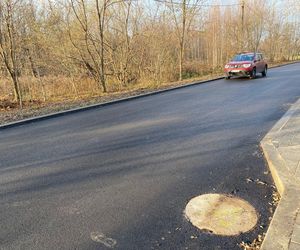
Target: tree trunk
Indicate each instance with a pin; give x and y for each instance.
(17, 90)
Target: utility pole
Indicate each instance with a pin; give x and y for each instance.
(182, 39)
(243, 25)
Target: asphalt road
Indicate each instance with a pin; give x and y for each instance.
(120, 176)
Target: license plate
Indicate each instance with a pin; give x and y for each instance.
(235, 70)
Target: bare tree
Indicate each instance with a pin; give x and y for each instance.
(9, 43)
(183, 13)
(255, 23)
(96, 45)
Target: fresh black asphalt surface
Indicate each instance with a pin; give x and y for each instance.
(120, 176)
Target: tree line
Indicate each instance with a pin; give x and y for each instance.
(75, 48)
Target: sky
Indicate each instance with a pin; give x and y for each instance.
(281, 4)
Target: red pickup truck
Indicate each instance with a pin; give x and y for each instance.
(246, 64)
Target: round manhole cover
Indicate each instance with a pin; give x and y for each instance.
(221, 214)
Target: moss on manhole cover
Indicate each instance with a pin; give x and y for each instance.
(221, 214)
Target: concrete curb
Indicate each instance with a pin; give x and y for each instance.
(98, 105)
(284, 64)
(280, 232)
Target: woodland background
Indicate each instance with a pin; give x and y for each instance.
(59, 50)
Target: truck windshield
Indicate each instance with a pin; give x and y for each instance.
(242, 57)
